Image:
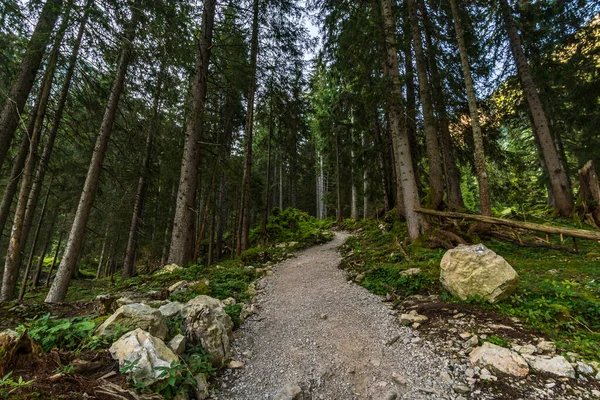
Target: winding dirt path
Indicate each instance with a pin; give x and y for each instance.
(332, 338)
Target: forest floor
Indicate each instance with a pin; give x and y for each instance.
(328, 321)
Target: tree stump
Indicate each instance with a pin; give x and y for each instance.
(590, 192)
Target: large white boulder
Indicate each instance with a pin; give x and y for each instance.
(468, 271)
(132, 316)
(207, 324)
(145, 353)
(499, 359)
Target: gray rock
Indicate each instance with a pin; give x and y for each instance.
(132, 316)
(207, 324)
(247, 310)
(229, 301)
(177, 344)
(472, 342)
(546, 347)
(145, 351)
(172, 309)
(527, 349)
(411, 271)
(104, 304)
(412, 317)
(499, 360)
(290, 392)
(556, 366)
(201, 388)
(461, 389)
(468, 271)
(597, 377)
(178, 286)
(583, 368)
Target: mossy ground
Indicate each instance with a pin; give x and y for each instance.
(558, 294)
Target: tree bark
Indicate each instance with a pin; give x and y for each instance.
(454, 194)
(561, 186)
(19, 92)
(35, 281)
(168, 228)
(15, 173)
(140, 194)
(33, 246)
(244, 224)
(182, 236)
(401, 145)
(480, 167)
(365, 179)
(102, 251)
(60, 285)
(436, 177)
(590, 192)
(338, 179)
(51, 137)
(354, 189)
(60, 236)
(267, 210)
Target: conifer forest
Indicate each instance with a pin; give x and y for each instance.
(159, 152)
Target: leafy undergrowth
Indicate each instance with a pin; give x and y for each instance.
(558, 293)
(68, 328)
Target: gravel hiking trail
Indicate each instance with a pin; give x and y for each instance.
(333, 339)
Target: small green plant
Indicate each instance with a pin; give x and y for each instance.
(65, 369)
(65, 334)
(497, 340)
(8, 385)
(234, 310)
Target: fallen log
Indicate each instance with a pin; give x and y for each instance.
(571, 232)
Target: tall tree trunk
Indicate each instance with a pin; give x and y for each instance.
(35, 280)
(140, 194)
(51, 137)
(353, 189)
(365, 178)
(267, 210)
(181, 250)
(59, 287)
(338, 179)
(102, 251)
(384, 164)
(401, 145)
(436, 177)
(34, 245)
(411, 100)
(17, 97)
(168, 228)
(561, 186)
(455, 200)
(244, 224)
(60, 236)
(15, 173)
(482, 177)
(17, 236)
(281, 185)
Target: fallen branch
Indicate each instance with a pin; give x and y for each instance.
(571, 232)
(404, 253)
(542, 245)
